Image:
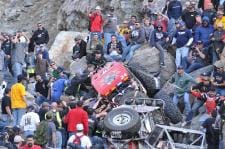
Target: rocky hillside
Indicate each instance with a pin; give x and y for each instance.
(59, 15)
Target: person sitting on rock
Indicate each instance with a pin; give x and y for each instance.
(198, 58)
(96, 59)
(163, 20)
(148, 27)
(95, 44)
(159, 39)
(79, 49)
(114, 50)
(137, 40)
(40, 36)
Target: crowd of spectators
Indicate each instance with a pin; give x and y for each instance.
(67, 110)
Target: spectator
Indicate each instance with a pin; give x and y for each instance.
(43, 110)
(131, 23)
(124, 31)
(182, 80)
(51, 130)
(189, 14)
(203, 32)
(198, 58)
(148, 27)
(96, 59)
(198, 23)
(44, 51)
(30, 143)
(137, 40)
(96, 24)
(159, 39)
(2, 60)
(76, 116)
(17, 55)
(219, 19)
(212, 126)
(18, 100)
(41, 89)
(183, 39)
(40, 36)
(18, 142)
(218, 78)
(95, 44)
(79, 49)
(163, 20)
(41, 66)
(200, 90)
(29, 121)
(79, 139)
(210, 12)
(7, 117)
(55, 70)
(7, 47)
(174, 9)
(205, 4)
(114, 50)
(148, 11)
(110, 27)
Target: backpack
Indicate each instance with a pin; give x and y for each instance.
(77, 140)
(41, 136)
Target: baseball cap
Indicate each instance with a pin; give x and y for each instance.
(79, 127)
(98, 8)
(205, 18)
(18, 138)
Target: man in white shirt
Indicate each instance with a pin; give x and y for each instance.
(29, 121)
(79, 139)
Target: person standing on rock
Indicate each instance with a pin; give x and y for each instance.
(18, 100)
(79, 49)
(181, 82)
(40, 36)
(96, 24)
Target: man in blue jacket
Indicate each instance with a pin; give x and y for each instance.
(204, 32)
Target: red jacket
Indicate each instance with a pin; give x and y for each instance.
(33, 147)
(96, 22)
(76, 116)
(210, 104)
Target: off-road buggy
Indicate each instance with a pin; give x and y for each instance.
(120, 86)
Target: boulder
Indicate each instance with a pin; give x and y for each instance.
(145, 64)
(61, 49)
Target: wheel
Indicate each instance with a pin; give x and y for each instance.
(125, 120)
(170, 109)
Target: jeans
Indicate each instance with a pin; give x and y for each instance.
(180, 54)
(113, 57)
(58, 139)
(27, 133)
(220, 91)
(194, 66)
(17, 115)
(95, 140)
(159, 45)
(171, 27)
(130, 50)
(64, 137)
(186, 104)
(17, 70)
(107, 39)
(5, 121)
(196, 106)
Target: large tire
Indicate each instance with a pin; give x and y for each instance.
(129, 128)
(170, 109)
(146, 61)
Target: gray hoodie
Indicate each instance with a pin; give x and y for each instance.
(18, 53)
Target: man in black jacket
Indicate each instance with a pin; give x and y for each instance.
(79, 49)
(40, 36)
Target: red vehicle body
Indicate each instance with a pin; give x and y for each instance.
(108, 78)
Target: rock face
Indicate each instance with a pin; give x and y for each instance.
(61, 49)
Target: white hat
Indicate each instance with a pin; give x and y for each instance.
(80, 127)
(18, 138)
(98, 8)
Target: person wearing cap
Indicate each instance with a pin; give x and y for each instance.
(198, 57)
(18, 100)
(85, 141)
(96, 24)
(200, 90)
(182, 39)
(30, 143)
(210, 12)
(80, 47)
(204, 32)
(181, 80)
(7, 117)
(189, 14)
(159, 39)
(76, 116)
(220, 18)
(18, 141)
(218, 78)
(29, 121)
(40, 36)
